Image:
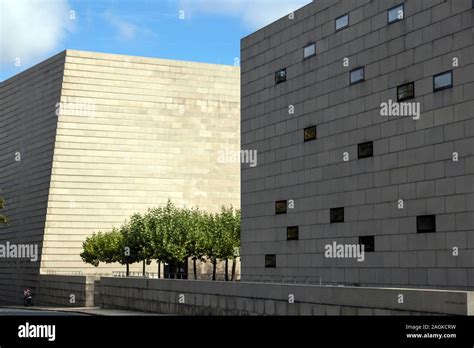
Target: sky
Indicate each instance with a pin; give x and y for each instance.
(195, 30)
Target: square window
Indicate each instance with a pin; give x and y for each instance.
(443, 81)
(357, 75)
(368, 243)
(342, 22)
(406, 91)
(365, 150)
(310, 50)
(310, 133)
(336, 215)
(270, 260)
(292, 233)
(280, 76)
(396, 13)
(280, 207)
(426, 223)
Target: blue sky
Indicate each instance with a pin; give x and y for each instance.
(195, 30)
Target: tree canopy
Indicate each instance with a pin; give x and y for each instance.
(3, 218)
(171, 235)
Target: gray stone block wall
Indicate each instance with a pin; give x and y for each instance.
(66, 291)
(184, 297)
(412, 158)
(103, 136)
(27, 134)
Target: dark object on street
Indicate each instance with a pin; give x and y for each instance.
(27, 297)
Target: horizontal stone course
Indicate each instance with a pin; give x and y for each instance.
(82, 171)
(274, 299)
(412, 160)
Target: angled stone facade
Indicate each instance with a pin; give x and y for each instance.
(103, 136)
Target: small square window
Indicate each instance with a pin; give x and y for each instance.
(336, 215)
(406, 91)
(367, 242)
(396, 13)
(310, 133)
(292, 233)
(365, 150)
(443, 81)
(280, 76)
(342, 22)
(270, 260)
(357, 75)
(310, 50)
(280, 207)
(426, 223)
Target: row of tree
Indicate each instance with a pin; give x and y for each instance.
(3, 218)
(170, 235)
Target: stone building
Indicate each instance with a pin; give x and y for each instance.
(361, 112)
(90, 138)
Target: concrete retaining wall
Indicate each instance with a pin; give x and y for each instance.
(56, 290)
(241, 298)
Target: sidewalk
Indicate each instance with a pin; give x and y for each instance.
(84, 310)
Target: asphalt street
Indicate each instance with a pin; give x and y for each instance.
(34, 312)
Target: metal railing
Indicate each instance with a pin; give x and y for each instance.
(139, 274)
(313, 280)
(166, 275)
(65, 273)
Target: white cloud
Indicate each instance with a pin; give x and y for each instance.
(125, 30)
(32, 29)
(253, 13)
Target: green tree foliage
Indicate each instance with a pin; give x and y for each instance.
(213, 240)
(151, 229)
(173, 228)
(139, 240)
(196, 242)
(100, 247)
(229, 220)
(223, 238)
(90, 250)
(3, 218)
(122, 252)
(169, 234)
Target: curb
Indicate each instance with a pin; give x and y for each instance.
(47, 309)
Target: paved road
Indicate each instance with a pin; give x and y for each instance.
(31, 312)
(56, 311)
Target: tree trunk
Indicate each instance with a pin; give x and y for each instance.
(128, 270)
(159, 269)
(234, 261)
(195, 269)
(214, 266)
(226, 271)
(143, 269)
